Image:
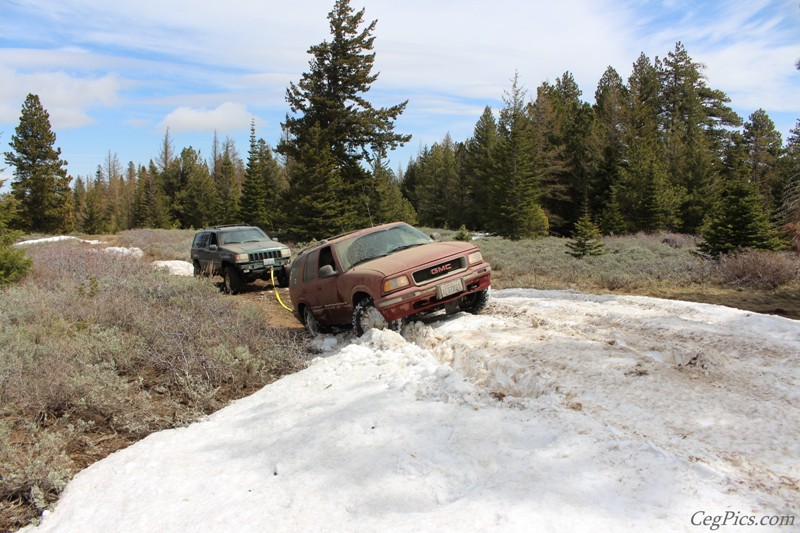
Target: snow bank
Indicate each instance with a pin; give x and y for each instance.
(554, 411)
(178, 268)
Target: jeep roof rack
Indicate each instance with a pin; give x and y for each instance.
(220, 226)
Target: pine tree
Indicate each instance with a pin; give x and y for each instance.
(114, 193)
(479, 166)
(40, 183)
(274, 184)
(312, 203)
(227, 173)
(14, 264)
(788, 214)
(764, 146)
(738, 219)
(253, 201)
(227, 195)
(78, 197)
(515, 211)
(693, 118)
(391, 205)
(548, 152)
(150, 208)
(608, 141)
(611, 220)
(329, 104)
(192, 205)
(575, 120)
(437, 185)
(586, 239)
(94, 217)
(648, 200)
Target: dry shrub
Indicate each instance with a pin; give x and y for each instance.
(158, 244)
(756, 269)
(31, 476)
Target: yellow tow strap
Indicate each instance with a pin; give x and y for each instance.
(275, 288)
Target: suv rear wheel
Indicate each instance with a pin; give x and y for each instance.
(312, 326)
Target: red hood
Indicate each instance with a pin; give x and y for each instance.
(415, 258)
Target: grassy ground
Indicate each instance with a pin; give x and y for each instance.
(663, 265)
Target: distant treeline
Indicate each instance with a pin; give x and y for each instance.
(662, 151)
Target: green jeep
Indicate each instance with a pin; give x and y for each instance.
(240, 254)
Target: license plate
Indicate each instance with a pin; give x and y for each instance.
(447, 289)
(269, 261)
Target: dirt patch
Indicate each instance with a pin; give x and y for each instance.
(263, 295)
(784, 301)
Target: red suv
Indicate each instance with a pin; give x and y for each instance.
(378, 277)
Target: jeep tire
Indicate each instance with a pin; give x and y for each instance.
(231, 281)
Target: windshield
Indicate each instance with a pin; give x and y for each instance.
(244, 235)
(357, 250)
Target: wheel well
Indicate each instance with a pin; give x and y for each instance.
(357, 297)
(301, 310)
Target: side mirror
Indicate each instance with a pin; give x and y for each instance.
(212, 247)
(327, 271)
(436, 236)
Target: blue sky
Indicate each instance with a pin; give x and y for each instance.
(114, 75)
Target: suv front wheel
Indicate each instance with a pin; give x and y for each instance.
(231, 282)
(476, 302)
(366, 316)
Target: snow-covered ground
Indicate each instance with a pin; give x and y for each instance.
(552, 411)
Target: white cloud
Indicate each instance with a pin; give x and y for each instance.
(67, 98)
(225, 117)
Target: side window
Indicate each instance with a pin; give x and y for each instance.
(326, 257)
(200, 240)
(310, 270)
(212, 238)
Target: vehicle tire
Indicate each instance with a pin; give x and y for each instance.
(231, 281)
(366, 316)
(197, 270)
(476, 302)
(312, 326)
(283, 279)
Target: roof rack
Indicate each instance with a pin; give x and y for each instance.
(220, 226)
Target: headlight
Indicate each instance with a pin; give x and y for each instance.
(474, 258)
(391, 285)
(241, 258)
(285, 252)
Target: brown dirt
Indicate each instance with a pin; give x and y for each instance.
(784, 301)
(262, 294)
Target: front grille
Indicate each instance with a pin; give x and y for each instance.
(260, 256)
(442, 269)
